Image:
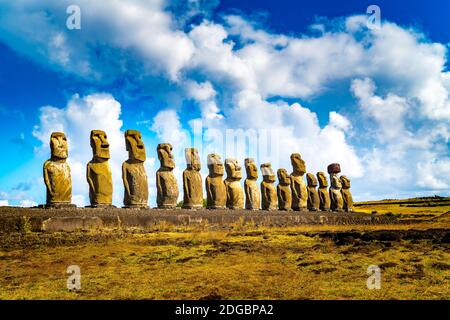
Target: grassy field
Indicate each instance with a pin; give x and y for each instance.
(426, 207)
(237, 262)
(242, 263)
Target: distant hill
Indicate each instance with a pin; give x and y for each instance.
(411, 202)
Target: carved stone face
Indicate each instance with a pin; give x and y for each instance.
(58, 145)
(323, 182)
(233, 169)
(345, 182)
(165, 155)
(251, 169)
(215, 165)
(99, 144)
(298, 164)
(311, 180)
(283, 177)
(192, 159)
(336, 182)
(135, 145)
(267, 172)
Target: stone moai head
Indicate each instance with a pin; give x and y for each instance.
(58, 145)
(251, 169)
(215, 165)
(283, 177)
(267, 172)
(233, 169)
(135, 145)
(311, 180)
(345, 182)
(165, 156)
(323, 182)
(99, 144)
(192, 159)
(298, 164)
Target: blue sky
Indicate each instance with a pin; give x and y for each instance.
(313, 73)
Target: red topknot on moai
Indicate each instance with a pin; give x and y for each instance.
(334, 168)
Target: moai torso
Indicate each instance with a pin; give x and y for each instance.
(192, 180)
(133, 171)
(235, 194)
(252, 198)
(324, 195)
(298, 185)
(337, 202)
(57, 172)
(136, 185)
(98, 174)
(100, 183)
(167, 189)
(313, 196)
(216, 194)
(166, 183)
(346, 194)
(58, 181)
(268, 191)
(284, 190)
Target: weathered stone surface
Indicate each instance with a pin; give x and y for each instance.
(12, 217)
(298, 185)
(337, 202)
(216, 194)
(98, 173)
(252, 198)
(284, 190)
(56, 171)
(133, 172)
(313, 196)
(166, 183)
(268, 192)
(346, 194)
(192, 181)
(235, 193)
(57, 224)
(323, 192)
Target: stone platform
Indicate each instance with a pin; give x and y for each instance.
(13, 219)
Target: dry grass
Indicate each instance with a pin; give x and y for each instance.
(168, 262)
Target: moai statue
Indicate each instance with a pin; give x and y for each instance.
(235, 194)
(216, 194)
(268, 191)
(298, 185)
(324, 195)
(133, 172)
(313, 196)
(192, 181)
(166, 183)
(57, 173)
(337, 202)
(252, 198)
(284, 190)
(346, 194)
(98, 171)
